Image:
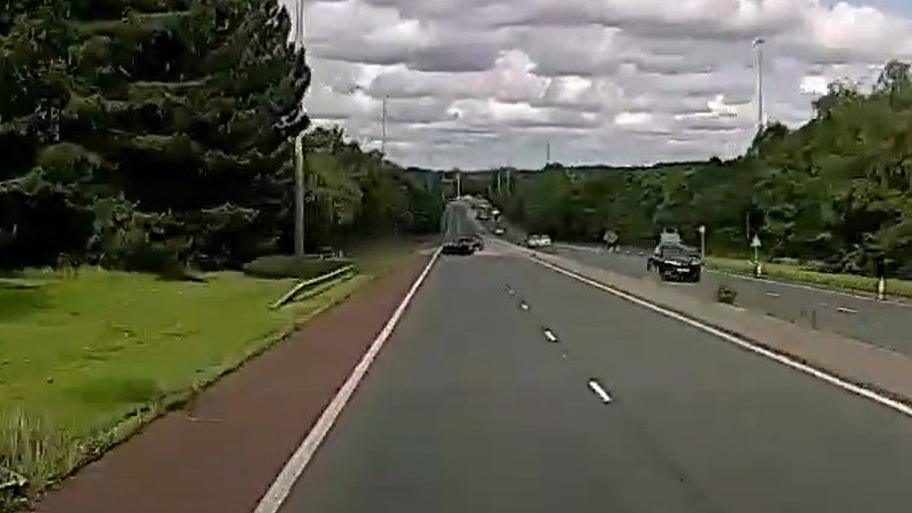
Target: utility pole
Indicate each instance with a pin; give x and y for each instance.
(747, 225)
(299, 194)
(702, 230)
(758, 46)
(548, 153)
(299, 147)
(458, 184)
(383, 127)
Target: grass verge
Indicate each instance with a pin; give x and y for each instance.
(797, 274)
(87, 359)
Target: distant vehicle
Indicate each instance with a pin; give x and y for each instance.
(670, 236)
(495, 213)
(499, 230)
(478, 242)
(611, 240)
(674, 261)
(538, 241)
(483, 215)
(460, 246)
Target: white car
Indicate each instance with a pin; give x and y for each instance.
(538, 241)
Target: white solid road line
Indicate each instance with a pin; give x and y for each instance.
(741, 342)
(599, 391)
(294, 467)
(845, 310)
(773, 294)
(550, 335)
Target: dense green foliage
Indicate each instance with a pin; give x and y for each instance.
(834, 191)
(290, 266)
(141, 131)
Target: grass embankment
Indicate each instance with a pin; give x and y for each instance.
(86, 359)
(798, 274)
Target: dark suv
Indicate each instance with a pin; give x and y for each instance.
(460, 246)
(676, 262)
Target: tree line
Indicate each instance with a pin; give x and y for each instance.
(835, 191)
(140, 131)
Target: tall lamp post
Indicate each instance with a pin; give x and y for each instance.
(758, 47)
(299, 146)
(702, 230)
(383, 126)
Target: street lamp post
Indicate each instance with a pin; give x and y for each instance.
(299, 148)
(758, 46)
(702, 230)
(383, 127)
(299, 194)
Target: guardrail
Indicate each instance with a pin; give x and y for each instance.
(311, 283)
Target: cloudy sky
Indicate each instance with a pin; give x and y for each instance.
(481, 83)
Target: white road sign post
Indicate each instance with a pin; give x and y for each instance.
(756, 244)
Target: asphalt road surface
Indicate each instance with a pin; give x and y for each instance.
(483, 401)
(886, 325)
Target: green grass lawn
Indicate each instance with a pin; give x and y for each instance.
(795, 273)
(86, 359)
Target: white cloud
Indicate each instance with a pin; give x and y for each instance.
(622, 81)
(814, 84)
(632, 118)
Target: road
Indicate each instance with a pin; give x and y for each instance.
(883, 324)
(482, 401)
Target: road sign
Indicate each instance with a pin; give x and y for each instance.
(756, 244)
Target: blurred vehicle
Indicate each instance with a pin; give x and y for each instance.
(670, 236)
(538, 241)
(499, 230)
(674, 261)
(611, 240)
(478, 242)
(460, 246)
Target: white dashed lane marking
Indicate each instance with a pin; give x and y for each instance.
(600, 391)
(550, 335)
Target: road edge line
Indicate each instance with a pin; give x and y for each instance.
(281, 486)
(739, 341)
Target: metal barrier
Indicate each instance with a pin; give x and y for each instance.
(311, 283)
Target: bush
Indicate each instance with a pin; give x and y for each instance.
(285, 266)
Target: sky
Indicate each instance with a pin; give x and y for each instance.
(487, 83)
